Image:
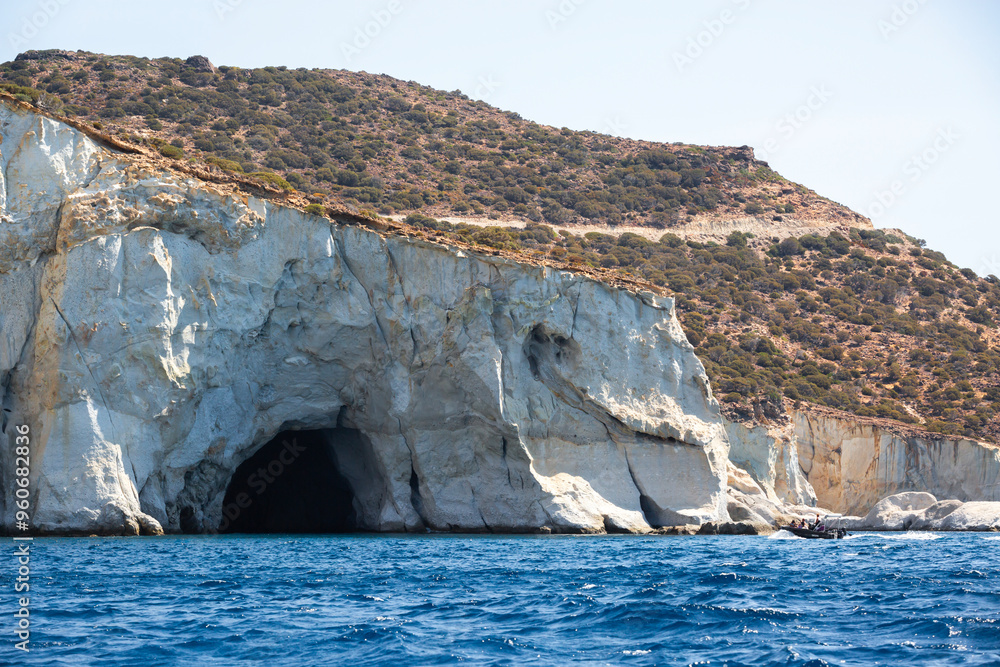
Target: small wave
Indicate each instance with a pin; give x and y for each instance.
(636, 652)
(725, 577)
(784, 535)
(970, 573)
(992, 539)
(909, 536)
(213, 582)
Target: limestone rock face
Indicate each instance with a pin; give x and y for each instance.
(853, 463)
(770, 455)
(155, 331)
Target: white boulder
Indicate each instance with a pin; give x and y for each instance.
(974, 516)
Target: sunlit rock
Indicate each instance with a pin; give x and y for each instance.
(156, 331)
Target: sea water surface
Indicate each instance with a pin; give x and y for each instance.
(872, 599)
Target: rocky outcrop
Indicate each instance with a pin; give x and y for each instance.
(854, 462)
(922, 511)
(156, 331)
(899, 511)
(825, 462)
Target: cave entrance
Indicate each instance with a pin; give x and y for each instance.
(292, 485)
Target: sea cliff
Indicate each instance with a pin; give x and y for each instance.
(157, 330)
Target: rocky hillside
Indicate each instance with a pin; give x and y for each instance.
(389, 145)
(848, 317)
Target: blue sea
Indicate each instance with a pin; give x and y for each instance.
(889, 599)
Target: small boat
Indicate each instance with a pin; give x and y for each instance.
(809, 534)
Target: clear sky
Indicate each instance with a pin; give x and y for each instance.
(887, 106)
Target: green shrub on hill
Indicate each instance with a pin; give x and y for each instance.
(272, 179)
(171, 151)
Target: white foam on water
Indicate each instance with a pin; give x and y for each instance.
(784, 535)
(908, 536)
(636, 652)
(992, 539)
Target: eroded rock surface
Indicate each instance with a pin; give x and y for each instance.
(155, 331)
(853, 463)
(770, 455)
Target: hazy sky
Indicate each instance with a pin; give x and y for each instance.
(887, 106)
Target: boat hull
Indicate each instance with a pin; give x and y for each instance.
(808, 534)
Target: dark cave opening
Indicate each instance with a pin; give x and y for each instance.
(291, 485)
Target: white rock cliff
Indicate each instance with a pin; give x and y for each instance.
(155, 331)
